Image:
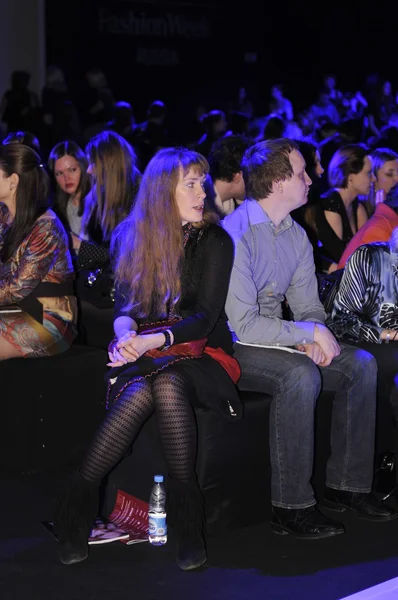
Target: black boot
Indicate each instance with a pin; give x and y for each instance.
(185, 509)
(74, 518)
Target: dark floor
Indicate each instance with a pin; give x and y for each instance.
(243, 564)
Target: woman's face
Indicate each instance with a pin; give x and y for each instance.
(319, 170)
(67, 173)
(190, 196)
(387, 176)
(361, 182)
(7, 187)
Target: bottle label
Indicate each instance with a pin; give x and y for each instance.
(157, 524)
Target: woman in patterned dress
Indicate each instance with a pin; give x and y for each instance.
(36, 275)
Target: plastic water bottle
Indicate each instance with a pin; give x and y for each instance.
(157, 513)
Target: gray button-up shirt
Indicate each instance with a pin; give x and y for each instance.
(271, 264)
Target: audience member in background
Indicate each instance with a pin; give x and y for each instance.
(279, 105)
(335, 95)
(68, 166)
(67, 125)
(243, 104)
(341, 214)
(36, 273)
(225, 157)
(325, 108)
(19, 103)
(215, 126)
(23, 137)
(384, 218)
(274, 260)
(274, 127)
(173, 264)
(97, 99)
(54, 92)
(151, 135)
(123, 121)
(116, 179)
(238, 123)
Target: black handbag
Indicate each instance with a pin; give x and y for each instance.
(95, 284)
(328, 286)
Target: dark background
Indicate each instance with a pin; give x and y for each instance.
(293, 43)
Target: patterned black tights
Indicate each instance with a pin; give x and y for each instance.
(167, 393)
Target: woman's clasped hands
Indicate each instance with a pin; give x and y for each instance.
(128, 348)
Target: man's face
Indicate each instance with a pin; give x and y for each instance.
(295, 189)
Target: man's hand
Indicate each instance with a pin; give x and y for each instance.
(313, 351)
(327, 342)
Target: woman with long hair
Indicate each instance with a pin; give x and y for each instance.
(385, 171)
(68, 166)
(36, 274)
(383, 215)
(173, 264)
(342, 215)
(116, 179)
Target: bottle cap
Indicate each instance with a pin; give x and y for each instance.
(158, 478)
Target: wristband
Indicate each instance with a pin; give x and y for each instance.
(167, 344)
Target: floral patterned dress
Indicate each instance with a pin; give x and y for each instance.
(42, 257)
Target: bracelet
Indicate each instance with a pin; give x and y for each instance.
(387, 339)
(167, 343)
(395, 335)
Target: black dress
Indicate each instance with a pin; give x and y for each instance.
(332, 247)
(205, 278)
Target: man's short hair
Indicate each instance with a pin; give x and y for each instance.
(226, 155)
(265, 163)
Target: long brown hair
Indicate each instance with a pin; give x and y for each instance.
(148, 245)
(116, 180)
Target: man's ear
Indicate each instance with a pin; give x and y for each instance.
(278, 187)
(237, 177)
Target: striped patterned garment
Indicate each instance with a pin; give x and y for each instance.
(367, 300)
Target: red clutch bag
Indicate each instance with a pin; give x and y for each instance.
(192, 349)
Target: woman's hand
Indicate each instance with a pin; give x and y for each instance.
(132, 348)
(76, 242)
(333, 267)
(119, 358)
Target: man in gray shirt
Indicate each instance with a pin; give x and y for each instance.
(273, 262)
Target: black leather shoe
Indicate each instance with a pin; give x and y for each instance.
(307, 523)
(364, 505)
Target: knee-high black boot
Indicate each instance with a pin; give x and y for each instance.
(185, 510)
(75, 514)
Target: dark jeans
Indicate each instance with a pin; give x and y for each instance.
(386, 356)
(295, 383)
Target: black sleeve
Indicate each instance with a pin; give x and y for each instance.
(213, 287)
